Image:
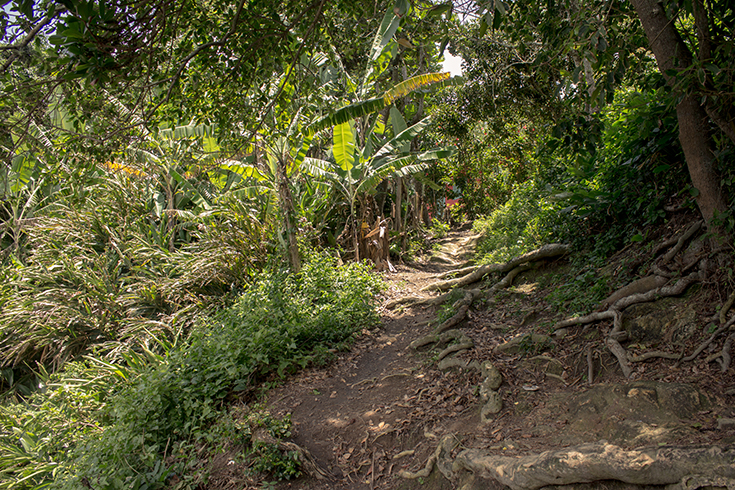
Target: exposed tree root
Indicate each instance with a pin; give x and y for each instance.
(675, 290)
(309, 465)
(464, 344)
(726, 307)
(441, 457)
(463, 307)
(410, 301)
(518, 264)
(601, 461)
(582, 320)
(457, 272)
(477, 273)
(681, 241)
(649, 289)
(437, 338)
(707, 342)
(615, 312)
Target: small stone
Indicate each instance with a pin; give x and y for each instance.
(561, 333)
(725, 423)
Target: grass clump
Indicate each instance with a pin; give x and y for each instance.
(141, 429)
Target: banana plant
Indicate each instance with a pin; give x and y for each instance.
(356, 170)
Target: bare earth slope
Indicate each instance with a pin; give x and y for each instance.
(373, 419)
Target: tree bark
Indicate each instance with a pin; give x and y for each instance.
(287, 208)
(673, 54)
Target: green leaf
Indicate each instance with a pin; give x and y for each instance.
(402, 140)
(387, 29)
(438, 10)
(190, 190)
(319, 168)
(399, 125)
(347, 113)
(414, 83)
(344, 146)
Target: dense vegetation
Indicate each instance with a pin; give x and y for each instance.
(181, 181)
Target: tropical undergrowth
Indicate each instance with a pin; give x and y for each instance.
(111, 265)
(145, 421)
(598, 197)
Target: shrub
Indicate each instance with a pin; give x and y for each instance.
(149, 425)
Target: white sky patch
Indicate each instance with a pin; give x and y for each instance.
(452, 64)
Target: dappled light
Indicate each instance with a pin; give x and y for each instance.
(392, 244)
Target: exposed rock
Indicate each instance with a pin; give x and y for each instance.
(669, 320)
(452, 363)
(725, 423)
(643, 412)
(486, 389)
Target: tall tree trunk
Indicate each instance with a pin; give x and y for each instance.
(287, 208)
(673, 54)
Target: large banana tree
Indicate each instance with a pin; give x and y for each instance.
(358, 169)
(362, 155)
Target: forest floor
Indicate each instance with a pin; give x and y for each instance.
(383, 407)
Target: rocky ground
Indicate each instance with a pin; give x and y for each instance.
(372, 419)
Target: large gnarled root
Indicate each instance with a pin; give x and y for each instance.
(601, 461)
(441, 458)
(463, 306)
(477, 273)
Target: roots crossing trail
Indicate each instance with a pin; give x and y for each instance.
(451, 390)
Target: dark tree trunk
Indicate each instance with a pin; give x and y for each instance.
(672, 54)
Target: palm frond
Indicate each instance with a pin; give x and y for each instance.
(402, 138)
(414, 83)
(347, 113)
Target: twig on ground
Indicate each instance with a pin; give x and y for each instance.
(707, 342)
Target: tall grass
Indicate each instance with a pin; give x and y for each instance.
(138, 422)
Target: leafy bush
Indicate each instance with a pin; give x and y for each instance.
(525, 222)
(145, 426)
(580, 292)
(439, 229)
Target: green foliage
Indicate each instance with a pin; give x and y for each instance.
(438, 229)
(526, 221)
(580, 292)
(448, 310)
(108, 265)
(136, 423)
(69, 408)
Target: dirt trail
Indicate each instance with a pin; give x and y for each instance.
(382, 407)
(359, 413)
